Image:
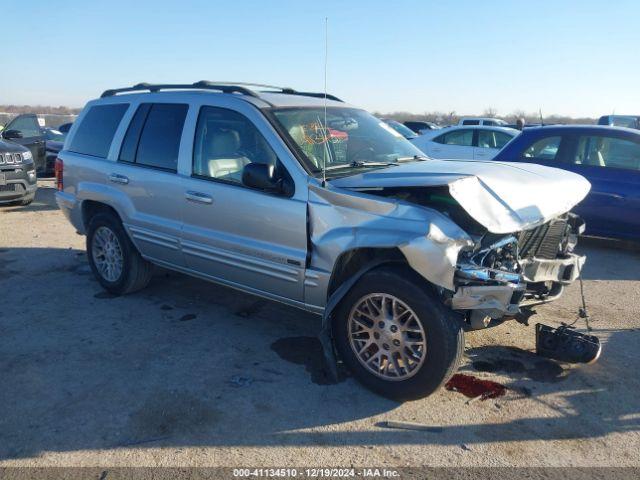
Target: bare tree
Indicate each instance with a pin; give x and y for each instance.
(490, 112)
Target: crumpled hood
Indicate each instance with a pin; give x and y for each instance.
(504, 197)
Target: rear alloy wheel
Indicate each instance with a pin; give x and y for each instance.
(113, 258)
(396, 336)
(107, 254)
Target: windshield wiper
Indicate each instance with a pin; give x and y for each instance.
(420, 158)
(356, 164)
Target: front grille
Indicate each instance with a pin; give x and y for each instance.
(11, 187)
(10, 158)
(543, 241)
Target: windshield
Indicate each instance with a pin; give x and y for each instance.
(353, 138)
(406, 132)
(54, 135)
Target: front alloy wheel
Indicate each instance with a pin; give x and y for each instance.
(394, 333)
(386, 337)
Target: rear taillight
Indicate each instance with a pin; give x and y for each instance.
(59, 167)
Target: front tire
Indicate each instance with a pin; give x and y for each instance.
(113, 258)
(395, 335)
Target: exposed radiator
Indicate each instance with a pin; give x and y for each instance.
(543, 241)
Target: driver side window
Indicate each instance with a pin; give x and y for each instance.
(28, 126)
(225, 143)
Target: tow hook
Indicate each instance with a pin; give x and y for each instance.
(566, 345)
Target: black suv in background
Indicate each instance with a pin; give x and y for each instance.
(17, 174)
(25, 130)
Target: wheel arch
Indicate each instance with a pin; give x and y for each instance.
(90, 208)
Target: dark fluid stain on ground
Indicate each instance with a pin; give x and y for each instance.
(80, 269)
(170, 413)
(252, 309)
(307, 351)
(187, 317)
(166, 307)
(473, 387)
(499, 365)
(518, 363)
(105, 295)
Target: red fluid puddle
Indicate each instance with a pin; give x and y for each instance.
(473, 387)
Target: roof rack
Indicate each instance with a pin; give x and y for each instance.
(201, 85)
(224, 87)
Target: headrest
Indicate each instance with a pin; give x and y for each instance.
(223, 143)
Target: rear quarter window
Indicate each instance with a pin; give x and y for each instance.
(95, 133)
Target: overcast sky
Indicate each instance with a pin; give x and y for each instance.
(577, 58)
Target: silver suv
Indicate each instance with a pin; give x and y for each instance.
(311, 202)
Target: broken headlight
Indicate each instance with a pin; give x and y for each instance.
(495, 260)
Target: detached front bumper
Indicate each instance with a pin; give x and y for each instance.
(561, 270)
(498, 299)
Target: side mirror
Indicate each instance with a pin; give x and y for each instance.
(260, 176)
(11, 134)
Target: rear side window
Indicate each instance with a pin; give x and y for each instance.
(153, 137)
(95, 133)
(611, 152)
(492, 139)
(458, 137)
(471, 122)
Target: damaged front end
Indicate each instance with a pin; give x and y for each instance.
(503, 276)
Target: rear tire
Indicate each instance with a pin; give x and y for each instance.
(113, 258)
(417, 342)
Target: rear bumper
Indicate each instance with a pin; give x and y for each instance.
(69, 206)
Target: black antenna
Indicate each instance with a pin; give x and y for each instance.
(541, 120)
(326, 137)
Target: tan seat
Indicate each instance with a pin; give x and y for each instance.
(223, 156)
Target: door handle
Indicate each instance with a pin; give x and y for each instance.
(198, 197)
(117, 178)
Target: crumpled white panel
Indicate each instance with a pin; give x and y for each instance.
(504, 197)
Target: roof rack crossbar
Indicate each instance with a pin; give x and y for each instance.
(201, 85)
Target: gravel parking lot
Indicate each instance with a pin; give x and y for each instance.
(190, 373)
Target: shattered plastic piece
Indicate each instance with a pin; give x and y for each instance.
(473, 387)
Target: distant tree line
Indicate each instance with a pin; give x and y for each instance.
(441, 118)
(17, 109)
(452, 118)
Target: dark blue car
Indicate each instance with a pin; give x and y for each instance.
(609, 157)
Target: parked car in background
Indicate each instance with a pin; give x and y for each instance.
(65, 127)
(628, 121)
(54, 140)
(319, 205)
(406, 132)
(470, 143)
(609, 157)
(17, 174)
(26, 130)
(421, 127)
(488, 122)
